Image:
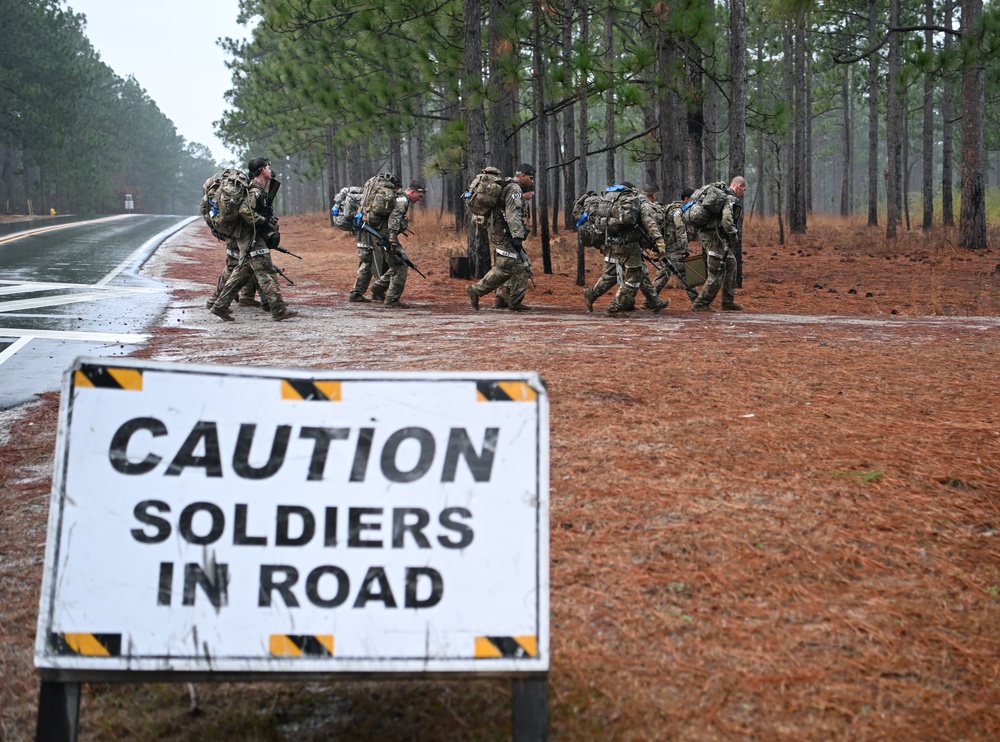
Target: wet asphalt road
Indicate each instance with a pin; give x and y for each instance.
(72, 290)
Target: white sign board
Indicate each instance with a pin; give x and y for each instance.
(232, 519)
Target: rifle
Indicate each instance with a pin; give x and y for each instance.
(670, 267)
(527, 268)
(287, 252)
(282, 274)
(389, 247)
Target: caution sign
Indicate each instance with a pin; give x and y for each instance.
(232, 519)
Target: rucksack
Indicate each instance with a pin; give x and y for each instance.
(618, 210)
(378, 198)
(346, 204)
(484, 192)
(224, 193)
(706, 205)
(585, 213)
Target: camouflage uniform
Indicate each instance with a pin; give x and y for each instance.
(626, 255)
(388, 287)
(504, 226)
(247, 292)
(719, 258)
(255, 257)
(364, 272)
(676, 237)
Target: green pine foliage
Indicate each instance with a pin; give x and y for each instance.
(80, 136)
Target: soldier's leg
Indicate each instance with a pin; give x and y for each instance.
(396, 277)
(651, 297)
(270, 290)
(232, 260)
(502, 298)
(364, 276)
(518, 286)
(381, 283)
(662, 276)
(502, 270)
(608, 279)
(729, 283)
(627, 290)
(237, 279)
(712, 284)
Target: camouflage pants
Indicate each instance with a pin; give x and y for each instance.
(232, 260)
(257, 267)
(393, 281)
(608, 279)
(364, 271)
(721, 272)
(633, 278)
(663, 274)
(506, 272)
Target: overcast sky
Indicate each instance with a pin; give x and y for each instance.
(170, 49)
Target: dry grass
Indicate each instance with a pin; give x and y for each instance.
(759, 530)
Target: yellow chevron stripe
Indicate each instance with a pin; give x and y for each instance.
(517, 391)
(80, 379)
(282, 645)
(127, 378)
(330, 389)
(486, 648)
(86, 644)
(529, 644)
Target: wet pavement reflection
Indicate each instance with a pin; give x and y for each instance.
(72, 290)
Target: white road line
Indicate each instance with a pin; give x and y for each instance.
(54, 227)
(122, 338)
(11, 349)
(154, 240)
(28, 288)
(55, 301)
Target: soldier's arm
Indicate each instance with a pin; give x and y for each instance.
(728, 217)
(647, 215)
(514, 212)
(680, 230)
(397, 219)
(248, 210)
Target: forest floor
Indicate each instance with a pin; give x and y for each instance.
(777, 524)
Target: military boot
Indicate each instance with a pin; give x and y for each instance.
(519, 307)
(588, 299)
(283, 312)
(732, 306)
(223, 312)
(378, 293)
(358, 298)
(502, 298)
(395, 304)
(473, 297)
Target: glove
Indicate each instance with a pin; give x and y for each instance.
(518, 244)
(272, 240)
(394, 245)
(661, 248)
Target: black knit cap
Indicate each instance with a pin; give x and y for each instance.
(525, 169)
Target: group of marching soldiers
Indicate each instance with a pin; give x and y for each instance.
(382, 263)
